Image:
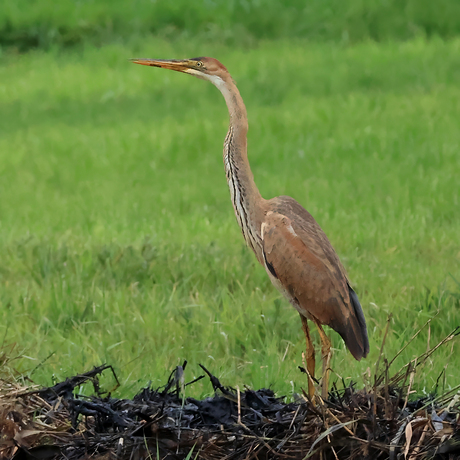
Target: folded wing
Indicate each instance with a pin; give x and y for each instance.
(303, 265)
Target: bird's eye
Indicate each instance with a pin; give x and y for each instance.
(199, 64)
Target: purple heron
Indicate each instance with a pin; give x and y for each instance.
(287, 241)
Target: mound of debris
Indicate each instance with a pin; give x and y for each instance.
(378, 423)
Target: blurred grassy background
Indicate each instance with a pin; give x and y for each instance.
(118, 242)
(31, 24)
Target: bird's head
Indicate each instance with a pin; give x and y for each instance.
(202, 67)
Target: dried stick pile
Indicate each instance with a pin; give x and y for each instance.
(376, 423)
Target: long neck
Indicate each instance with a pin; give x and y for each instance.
(244, 193)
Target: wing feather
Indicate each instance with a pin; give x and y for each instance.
(302, 263)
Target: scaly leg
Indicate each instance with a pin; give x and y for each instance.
(326, 355)
(310, 357)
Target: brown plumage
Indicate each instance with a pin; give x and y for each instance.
(287, 241)
(310, 271)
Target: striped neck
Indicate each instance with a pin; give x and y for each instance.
(244, 193)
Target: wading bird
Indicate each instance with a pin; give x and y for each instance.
(287, 241)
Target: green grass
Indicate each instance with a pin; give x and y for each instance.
(27, 24)
(118, 241)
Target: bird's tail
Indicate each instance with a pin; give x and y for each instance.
(355, 337)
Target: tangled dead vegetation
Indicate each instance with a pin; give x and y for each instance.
(379, 422)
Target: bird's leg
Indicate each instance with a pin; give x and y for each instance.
(310, 357)
(326, 355)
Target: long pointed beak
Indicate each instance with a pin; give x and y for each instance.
(173, 64)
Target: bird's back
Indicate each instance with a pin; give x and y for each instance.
(303, 264)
